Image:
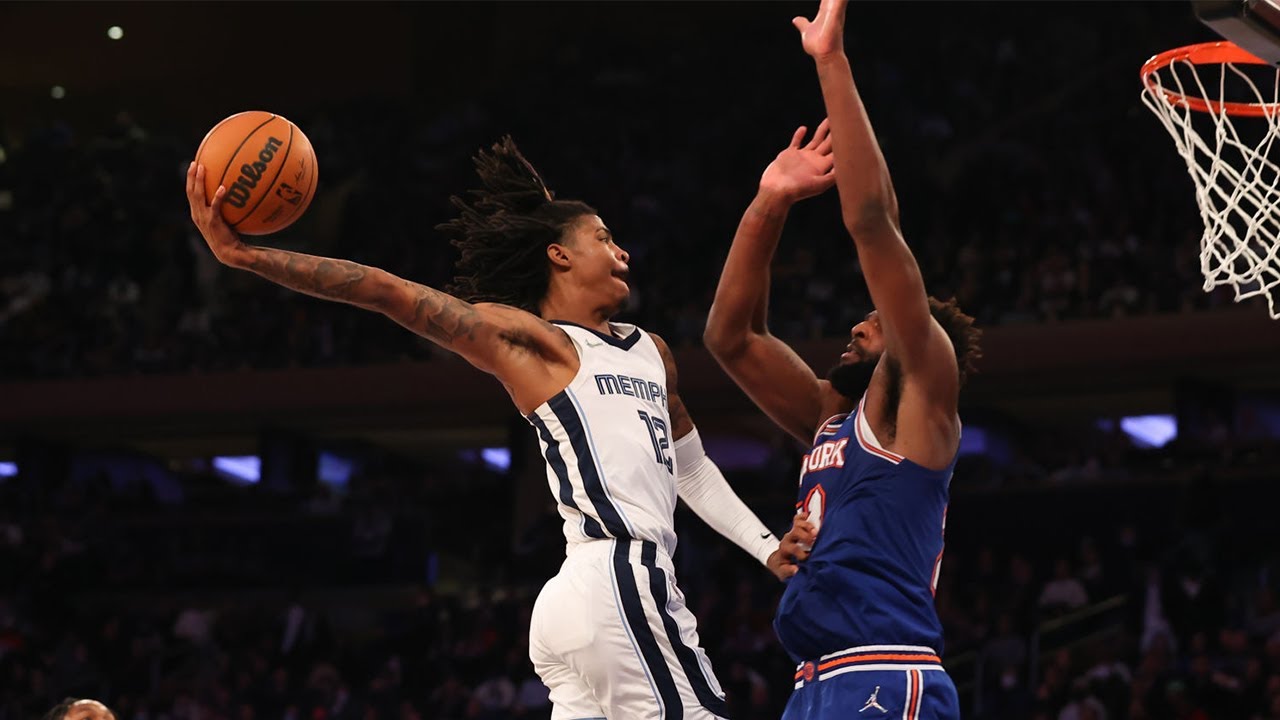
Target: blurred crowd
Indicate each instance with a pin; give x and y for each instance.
(231, 604)
(1033, 187)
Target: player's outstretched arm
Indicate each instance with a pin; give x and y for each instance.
(485, 334)
(737, 334)
(869, 206)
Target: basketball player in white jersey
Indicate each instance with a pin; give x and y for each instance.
(536, 285)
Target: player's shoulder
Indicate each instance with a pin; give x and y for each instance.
(526, 329)
(655, 337)
(664, 350)
(513, 316)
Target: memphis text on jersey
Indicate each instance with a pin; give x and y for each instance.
(632, 387)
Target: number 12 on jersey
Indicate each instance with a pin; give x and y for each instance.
(657, 428)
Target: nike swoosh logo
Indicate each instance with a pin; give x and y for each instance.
(594, 344)
(765, 536)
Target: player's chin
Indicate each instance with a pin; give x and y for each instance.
(618, 300)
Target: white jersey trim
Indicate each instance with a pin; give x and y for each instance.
(867, 438)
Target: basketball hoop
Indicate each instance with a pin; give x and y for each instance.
(1225, 129)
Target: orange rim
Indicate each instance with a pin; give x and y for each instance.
(1213, 53)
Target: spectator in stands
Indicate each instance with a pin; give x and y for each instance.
(1064, 591)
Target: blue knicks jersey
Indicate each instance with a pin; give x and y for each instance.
(873, 570)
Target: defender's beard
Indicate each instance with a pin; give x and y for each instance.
(851, 380)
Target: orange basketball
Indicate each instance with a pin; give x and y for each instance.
(267, 166)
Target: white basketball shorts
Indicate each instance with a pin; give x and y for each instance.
(612, 638)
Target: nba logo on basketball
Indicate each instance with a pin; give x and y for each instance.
(288, 193)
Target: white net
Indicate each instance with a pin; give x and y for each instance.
(1230, 160)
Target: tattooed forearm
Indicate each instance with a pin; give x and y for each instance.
(430, 313)
(440, 316)
(319, 276)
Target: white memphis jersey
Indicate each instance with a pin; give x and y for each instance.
(607, 440)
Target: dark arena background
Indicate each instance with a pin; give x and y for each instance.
(222, 499)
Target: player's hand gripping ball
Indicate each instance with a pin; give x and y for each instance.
(267, 166)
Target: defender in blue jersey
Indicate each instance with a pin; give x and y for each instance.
(858, 615)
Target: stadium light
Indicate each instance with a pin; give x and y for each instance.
(1150, 431)
(497, 458)
(334, 470)
(115, 32)
(244, 468)
(58, 92)
(8, 469)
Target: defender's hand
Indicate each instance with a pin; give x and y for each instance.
(801, 172)
(824, 35)
(223, 241)
(794, 548)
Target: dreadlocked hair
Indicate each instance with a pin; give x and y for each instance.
(503, 230)
(964, 336)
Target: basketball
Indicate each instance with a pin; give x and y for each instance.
(266, 164)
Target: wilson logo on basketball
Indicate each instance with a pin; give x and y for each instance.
(250, 173)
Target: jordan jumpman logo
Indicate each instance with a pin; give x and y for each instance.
(871, 702)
